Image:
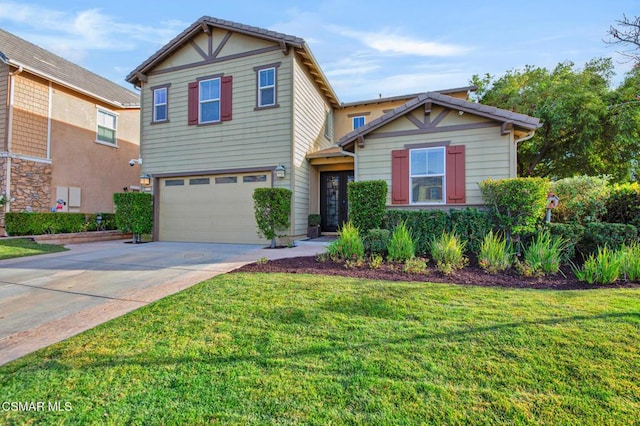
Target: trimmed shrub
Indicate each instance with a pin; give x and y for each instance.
(516, 205)
(572, 233)
(272, 207)
(424, 224)
(134, 213)
(367, 201)
(22, 223)
(377, 240)
(348, 245)
(471, 225)
(612, 235)
(495, 254)
(623, 204)
(401, 246)
(582, 199)
(447, 251)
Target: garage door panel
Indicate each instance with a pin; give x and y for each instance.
(219, 209)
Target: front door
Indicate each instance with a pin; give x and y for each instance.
(334, 207)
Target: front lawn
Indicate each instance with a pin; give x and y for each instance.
(312, 349)
(20, 247)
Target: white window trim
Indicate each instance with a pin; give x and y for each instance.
(260, 87)
(166, 104)
(218, 99)
(100, 109)
(444, 176)
(353, 121)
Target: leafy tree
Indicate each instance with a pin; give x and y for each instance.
(272, 207)
(587, 127)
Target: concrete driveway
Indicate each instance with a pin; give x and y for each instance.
(48, 298)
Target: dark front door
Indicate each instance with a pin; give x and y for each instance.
(334, 207)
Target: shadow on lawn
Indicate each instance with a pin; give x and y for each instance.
(264, 358)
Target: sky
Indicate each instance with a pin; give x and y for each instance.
(366, 49)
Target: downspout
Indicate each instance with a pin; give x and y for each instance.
(355, 162)
(516, 142)
(7, 206)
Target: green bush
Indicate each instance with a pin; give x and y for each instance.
(314, 219)
(423, 224)
(447, 251)
(22, 223)
(544, 254)
(582, 199)
(516, 205)
(631, 261)
(367, 200)
(416, 265)
(495, 254)
(272, 207)
(401, 246)
(348, 245)
(377, 240)
(612, 235)
(470, 225)
(134, 213)
(572, 233)
(623, 204)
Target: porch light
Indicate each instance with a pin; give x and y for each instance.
(145, 180)
(280, 171)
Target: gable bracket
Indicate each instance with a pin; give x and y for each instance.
(205, 27)
(427, 108)
(284, 47)
(506, 127)
(360, 140)
(141, 77)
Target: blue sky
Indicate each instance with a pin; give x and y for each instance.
(366, 48)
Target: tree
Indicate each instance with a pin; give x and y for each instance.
(585, 128)
(272, 207)
(628, 33)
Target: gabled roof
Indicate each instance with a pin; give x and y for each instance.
(517, 120)
(38, 61)
(380, 100)
(205, 24)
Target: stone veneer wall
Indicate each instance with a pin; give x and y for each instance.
(3, 172)
(30, 185)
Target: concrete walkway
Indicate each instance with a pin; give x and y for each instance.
(48, 298)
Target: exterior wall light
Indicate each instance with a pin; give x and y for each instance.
(145, 180)
(280, 171)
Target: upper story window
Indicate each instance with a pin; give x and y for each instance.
(427, 174)
(209, 101)
(160, 104)
(107, 126)
(266, 87)
(358, 121)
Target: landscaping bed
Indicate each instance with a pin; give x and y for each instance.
(470, 275)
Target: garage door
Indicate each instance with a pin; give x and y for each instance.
(217, 208)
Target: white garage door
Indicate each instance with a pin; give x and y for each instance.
(217, 208)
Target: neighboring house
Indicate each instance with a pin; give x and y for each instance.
(226, 106)
(65, 133)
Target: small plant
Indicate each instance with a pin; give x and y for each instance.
(601, 268)
(401, 246)
(544, 253)
(447, 251)
(323, 257)
(495, 254)
(631, 261)
(263, 260)
(375, 261)
(314, 219)
(348, 246)
(377, 240)
(354, 263)
(416, 265)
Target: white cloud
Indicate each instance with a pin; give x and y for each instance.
(387, 41)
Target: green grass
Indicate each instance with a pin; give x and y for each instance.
(301, 349)
(20, 247)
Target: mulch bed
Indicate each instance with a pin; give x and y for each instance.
(471, 275)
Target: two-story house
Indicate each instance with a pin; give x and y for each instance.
(66, 134)
(227, 108)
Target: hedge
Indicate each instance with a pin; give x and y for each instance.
(18, 224)
(582, 199)
(367, 201)
(272, 207)
(134, 213)
(612, 235)
(623, 204)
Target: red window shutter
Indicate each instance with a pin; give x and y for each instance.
(225, 98)
(455, 175)
(193, 103)
(400, 176)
